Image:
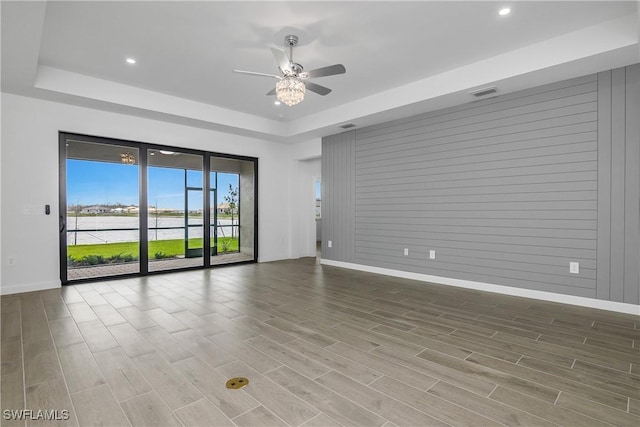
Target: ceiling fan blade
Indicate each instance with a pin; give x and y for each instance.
(253, 73)
(320, 90)
(271, 92)
(331, 70)
(281, 59)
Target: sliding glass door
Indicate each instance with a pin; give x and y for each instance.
(234, 226)
(129, 208)
(101, 216)
(176, 202)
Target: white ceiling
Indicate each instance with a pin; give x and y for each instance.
(401, 57)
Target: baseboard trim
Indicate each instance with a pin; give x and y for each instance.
(619, 307)
(28, 287)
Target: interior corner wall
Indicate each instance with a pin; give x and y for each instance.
(339, 197)
(305, 222)
(29, 177)
(1, 180)
(306, 167)
(507, 191)
(619, 185)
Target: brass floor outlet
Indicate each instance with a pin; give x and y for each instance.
(236, 383)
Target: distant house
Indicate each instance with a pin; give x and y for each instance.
(223, 208)
(95, 210)
(153, 209)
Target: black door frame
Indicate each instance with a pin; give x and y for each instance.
(143, 149)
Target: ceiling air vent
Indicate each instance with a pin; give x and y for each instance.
(347, 126)
(478, 93)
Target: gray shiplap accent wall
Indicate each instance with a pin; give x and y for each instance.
(492, 187)
(338, 196)
(619, 184)
(505, 190)
(632, 186)
(604, 187)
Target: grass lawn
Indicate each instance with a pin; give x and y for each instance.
(169, 248)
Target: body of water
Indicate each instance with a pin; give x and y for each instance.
(89, 229)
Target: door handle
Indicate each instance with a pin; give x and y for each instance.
(63, 223)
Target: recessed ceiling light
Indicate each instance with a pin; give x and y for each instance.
(131, 61)
(505, 11)
(276, 102)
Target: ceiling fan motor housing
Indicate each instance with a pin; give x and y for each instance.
(296, 69)
(290, 40)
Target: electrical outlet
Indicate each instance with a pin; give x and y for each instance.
(432, 254)
(574, 267)
(329, 243)
(406, 251)
(11, 261)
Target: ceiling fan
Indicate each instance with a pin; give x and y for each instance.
(293, 81)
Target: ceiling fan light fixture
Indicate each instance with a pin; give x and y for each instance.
(292, 83)
(290, 90)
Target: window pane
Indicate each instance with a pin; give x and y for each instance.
(232, 227)
(102, 210)
(175, 210)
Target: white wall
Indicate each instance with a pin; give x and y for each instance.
(29, 179)
(304, 208)
(307, 150)
(305, 166)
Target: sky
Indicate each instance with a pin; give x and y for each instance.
(101, 183)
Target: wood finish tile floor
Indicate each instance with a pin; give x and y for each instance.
(321, 346)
